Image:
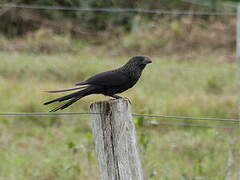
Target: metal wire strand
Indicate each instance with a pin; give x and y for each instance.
(133, 114)
(193, 125)
(46, 114)
(120, 10)
(185, 117)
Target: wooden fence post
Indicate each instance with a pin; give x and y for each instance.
(115, 140)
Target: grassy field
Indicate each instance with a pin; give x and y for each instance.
(61, 147)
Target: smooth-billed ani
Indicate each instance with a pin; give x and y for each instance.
(107, 83)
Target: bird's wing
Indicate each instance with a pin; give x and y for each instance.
(112, 78)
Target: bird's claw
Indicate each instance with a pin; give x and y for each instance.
(128, 100)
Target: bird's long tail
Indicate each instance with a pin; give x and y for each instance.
(65, 90)
(73, 97)
(68, 103)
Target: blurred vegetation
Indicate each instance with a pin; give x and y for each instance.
(18, 21)
(193, 74)
(188, 37)
(61, 147)
(29, 30)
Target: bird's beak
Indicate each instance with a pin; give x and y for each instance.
(147, 61)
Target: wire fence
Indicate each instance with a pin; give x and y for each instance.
(157, 122)
(133, 114)
(186, 117)
(46, 114)
(120, 10)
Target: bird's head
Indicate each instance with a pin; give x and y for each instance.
(139, 61)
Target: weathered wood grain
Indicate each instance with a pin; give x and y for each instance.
(115, 140)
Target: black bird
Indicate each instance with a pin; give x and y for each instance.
(107, 83)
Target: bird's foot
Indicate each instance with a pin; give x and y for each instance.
(128, 100)
(116, 96)
(119, 97)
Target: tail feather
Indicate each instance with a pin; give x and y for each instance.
(81, 83)
(69, 96)
(81, 93)
(68, 103)
(65, 90)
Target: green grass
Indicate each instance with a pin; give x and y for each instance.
(62, 147)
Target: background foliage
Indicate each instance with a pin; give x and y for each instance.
(75, 21)
(193, 74)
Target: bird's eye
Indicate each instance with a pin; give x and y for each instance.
(142, 65)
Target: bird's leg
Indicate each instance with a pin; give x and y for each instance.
(115, 96)
(128, 100)
(118, 97)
